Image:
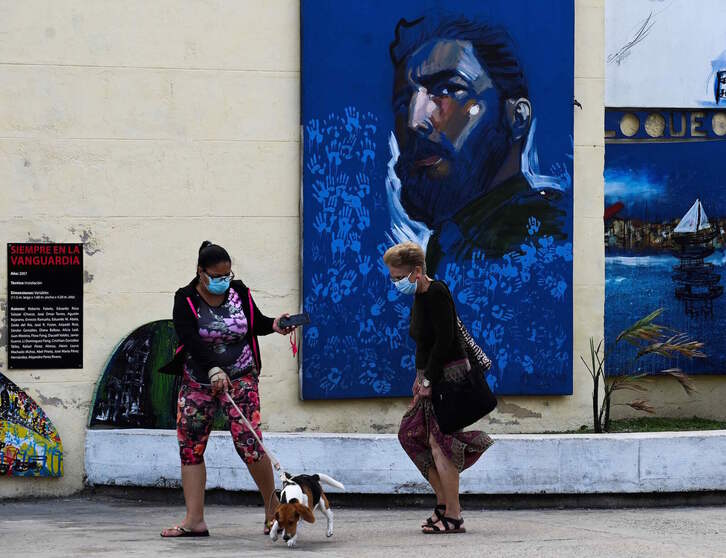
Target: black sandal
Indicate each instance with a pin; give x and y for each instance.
(447, 522)
(438, 512)
(183, 532)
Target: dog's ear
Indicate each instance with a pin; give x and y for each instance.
(305, 512)
(277, 515)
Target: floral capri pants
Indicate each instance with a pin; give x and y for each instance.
(196, 408)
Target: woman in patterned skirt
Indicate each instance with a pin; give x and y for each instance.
(440, 457)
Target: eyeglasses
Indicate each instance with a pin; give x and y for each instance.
(397, 279)
(228, 277)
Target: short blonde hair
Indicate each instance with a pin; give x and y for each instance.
(405, 254)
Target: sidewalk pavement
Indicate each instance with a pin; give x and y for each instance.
(107, 527)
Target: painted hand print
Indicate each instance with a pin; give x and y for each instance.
(435, 128)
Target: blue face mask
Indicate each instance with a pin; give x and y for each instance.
(218, 285)
(405, 286)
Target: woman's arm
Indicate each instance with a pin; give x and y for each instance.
(442, 316)
(187, 329)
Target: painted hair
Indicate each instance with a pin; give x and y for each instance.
(211, 254)
(493, 46)
(405, 254)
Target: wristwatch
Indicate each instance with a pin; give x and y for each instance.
(425, 383)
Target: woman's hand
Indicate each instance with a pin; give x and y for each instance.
(220, 382)
(278, 329)
(419, 391)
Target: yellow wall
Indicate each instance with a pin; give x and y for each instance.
(143, 128)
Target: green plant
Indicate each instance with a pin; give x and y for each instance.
(647, 338)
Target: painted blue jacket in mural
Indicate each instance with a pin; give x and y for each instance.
(497, 223)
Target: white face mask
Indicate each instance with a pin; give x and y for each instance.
(405, 286)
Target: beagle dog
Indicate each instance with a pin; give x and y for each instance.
(300, 495)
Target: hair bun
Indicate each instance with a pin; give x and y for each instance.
(211, 254)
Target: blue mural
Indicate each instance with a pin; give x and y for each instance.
(454, 131)
(665, 245)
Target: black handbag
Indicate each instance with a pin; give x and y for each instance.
(461, 402)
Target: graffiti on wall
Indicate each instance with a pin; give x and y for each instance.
(29, 443)
(668, 54)
(131, 392)
(454, 131)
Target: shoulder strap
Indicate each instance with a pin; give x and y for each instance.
(466, 338)
(191, 305)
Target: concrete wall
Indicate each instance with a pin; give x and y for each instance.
(376, 464)
(143, 128)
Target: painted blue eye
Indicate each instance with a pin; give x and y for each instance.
(448, 90)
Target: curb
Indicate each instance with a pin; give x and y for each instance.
(552, 464)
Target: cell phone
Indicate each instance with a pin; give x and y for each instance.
(296, 320)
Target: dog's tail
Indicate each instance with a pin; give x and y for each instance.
(331, 481)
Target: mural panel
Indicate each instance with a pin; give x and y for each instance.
(665, 245)
(131, 392)
(29, 443)
(453, 130)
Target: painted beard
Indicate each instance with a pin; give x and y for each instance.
(437, 183)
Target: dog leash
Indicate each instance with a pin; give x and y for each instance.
(273, 459)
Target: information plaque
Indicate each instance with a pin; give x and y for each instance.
(45, 305)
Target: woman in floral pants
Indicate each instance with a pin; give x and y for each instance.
(197, 406)
(218, 323)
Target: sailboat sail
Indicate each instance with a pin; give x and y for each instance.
(694, 220)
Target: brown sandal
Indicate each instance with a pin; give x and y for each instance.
(447, 522)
